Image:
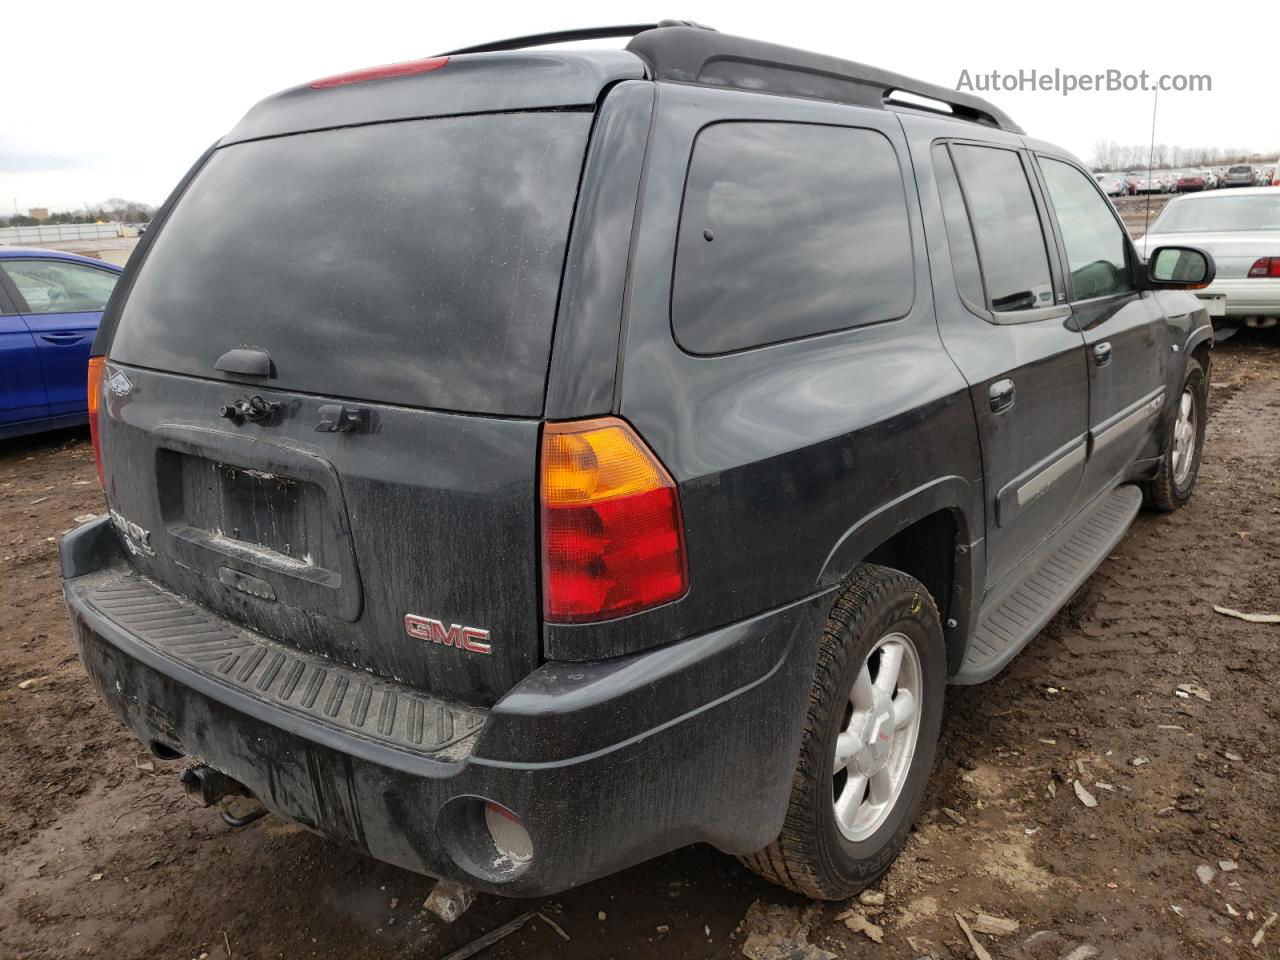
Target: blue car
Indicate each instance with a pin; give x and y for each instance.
(50, 305)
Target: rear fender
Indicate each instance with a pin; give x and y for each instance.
(957, 497)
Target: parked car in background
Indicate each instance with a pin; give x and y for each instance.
(1210, 179)
(1112, 184)
(1148, 183)
(1240, 175)
(50, 305)
(1191, 182)
(1241, 229)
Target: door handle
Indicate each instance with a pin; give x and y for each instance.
(1001, 395)
(1102, 353)
(61, 339)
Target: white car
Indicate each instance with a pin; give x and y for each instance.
(1241, 229)
(1112, 184)
(1142, 183)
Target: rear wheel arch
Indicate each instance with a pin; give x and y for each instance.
(928, 534)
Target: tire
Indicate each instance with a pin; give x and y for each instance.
(1175, 479)
(815, 855)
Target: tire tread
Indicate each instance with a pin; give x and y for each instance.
(793, 860)
(1160, 493)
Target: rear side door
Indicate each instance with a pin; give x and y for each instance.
(1009, 330)
(61, 302)
(1125, 334)
(21, 384)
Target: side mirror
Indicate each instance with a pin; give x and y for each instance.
(1180, 268)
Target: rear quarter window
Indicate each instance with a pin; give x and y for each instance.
(789, 230)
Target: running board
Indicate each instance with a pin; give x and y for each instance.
(1012, 617)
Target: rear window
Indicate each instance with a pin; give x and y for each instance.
(1011, 246)
(414, 263)
(964, 254)
(789, 230)
(1220, 214)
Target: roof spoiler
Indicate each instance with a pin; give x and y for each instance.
(699, 56)
(688, 52)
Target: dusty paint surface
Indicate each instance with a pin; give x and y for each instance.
(105, 857)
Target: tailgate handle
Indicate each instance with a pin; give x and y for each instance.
(336, 418)
(246, 362)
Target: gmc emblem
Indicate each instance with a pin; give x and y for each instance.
(470, 639)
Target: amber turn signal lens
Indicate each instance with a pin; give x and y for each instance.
(97, 370)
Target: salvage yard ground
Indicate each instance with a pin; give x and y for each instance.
(1176, 858)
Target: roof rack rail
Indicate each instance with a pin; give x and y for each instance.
(568, 36)
(675, 52)
(688, 52)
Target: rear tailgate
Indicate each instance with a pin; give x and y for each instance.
(378, 299)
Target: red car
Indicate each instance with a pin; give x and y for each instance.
(1190, 183)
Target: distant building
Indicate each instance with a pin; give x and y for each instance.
(39, 213)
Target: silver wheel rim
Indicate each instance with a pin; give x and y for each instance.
(875, 746)
(1184, 438)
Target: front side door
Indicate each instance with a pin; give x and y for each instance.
(1124, 330)
(61, 302)
(21, 383)
(1009, 331)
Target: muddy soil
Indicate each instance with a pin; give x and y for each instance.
(102, 855)
(1138, 212)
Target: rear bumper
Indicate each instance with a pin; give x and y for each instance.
(606, 763)
(1248, 296)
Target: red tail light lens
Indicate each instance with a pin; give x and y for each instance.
(408, 68)
(97, 369)
(612, 533)
(1265, 267)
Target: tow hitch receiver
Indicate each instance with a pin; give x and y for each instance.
(206, 786)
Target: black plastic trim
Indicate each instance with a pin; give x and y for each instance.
(692, 55)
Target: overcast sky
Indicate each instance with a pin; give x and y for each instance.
(117, 99)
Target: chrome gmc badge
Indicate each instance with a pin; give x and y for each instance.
(470, 639)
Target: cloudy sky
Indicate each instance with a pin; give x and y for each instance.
(116, 99)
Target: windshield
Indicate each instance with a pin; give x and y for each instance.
(1220, 215)
(414, 263)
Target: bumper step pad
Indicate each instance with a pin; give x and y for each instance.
(1011, 619)
(319, 689)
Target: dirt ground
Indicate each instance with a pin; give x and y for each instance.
(1140, 211)
(103, 856)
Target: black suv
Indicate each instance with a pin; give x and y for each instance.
(521, 464)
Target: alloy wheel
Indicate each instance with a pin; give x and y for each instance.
(878, 740)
